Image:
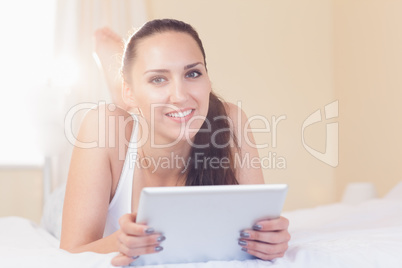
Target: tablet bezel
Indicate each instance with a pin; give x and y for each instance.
(218, 209)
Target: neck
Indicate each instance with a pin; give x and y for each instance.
(164, 166)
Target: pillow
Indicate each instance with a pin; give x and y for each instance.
(395, 193)
(52, 212)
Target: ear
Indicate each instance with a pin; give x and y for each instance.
(128, 95)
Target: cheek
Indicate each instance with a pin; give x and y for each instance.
(147, 100)
(205, 102)
(203, 106)
(201, 95)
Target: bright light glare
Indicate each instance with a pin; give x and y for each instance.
(65, 72)
(26, 52)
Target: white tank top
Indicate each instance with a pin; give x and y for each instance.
(121, 202)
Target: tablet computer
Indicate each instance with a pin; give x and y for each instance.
(203, 223)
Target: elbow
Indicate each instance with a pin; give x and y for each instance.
(69, 248)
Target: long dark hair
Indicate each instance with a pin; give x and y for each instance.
(212, 145)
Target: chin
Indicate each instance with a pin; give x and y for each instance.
(172, 135)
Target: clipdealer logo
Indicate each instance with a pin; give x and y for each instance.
(270, 127)
(330, 156)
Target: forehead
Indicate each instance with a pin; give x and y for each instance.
(167, 48)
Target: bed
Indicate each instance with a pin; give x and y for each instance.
(368, 234)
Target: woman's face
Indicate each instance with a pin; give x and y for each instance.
(170, 85)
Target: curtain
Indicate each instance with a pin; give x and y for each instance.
(76, 21)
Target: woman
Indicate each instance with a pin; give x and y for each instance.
(165, 80)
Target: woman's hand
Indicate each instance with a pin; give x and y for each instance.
(267, 240)
(135, 239)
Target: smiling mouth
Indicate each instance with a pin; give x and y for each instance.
(180, 114)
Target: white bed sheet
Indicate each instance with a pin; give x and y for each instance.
(337, 235)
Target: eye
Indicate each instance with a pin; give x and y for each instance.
(157, 80)
(193, 74)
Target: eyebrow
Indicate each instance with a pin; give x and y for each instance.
(189, 66)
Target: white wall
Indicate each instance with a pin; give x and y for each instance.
(21, 192)
(368, 80)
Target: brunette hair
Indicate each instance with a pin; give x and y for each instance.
(211, 143)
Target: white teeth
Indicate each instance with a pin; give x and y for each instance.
(180, 114)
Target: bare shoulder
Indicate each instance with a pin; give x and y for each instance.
(236, 115)
(233, 110)
(101, 125)
(102, 115)
(103, 138)
(246, 174)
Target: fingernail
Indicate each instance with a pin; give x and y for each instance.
(244, 249)
(242, 243)
(158, 248)
(149, 230)
(161, 238)
(135, 257)
(257, 227)
(244, 234)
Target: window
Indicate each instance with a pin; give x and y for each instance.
(26, 50)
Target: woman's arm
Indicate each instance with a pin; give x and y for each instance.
(88, 192)
(92, 180)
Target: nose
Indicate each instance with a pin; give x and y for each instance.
(178, 92)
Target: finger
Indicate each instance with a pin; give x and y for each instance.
(264, 248)
(129, 226)
(272, 237)
(278, 224)
(140, 241)
(264, 256)
(139, 251)
(123, 260)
